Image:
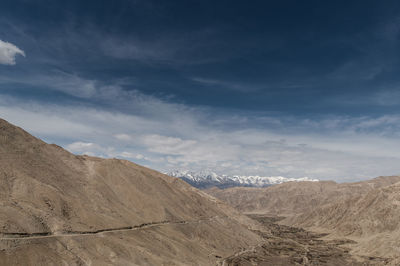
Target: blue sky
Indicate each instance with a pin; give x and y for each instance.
(285, 88)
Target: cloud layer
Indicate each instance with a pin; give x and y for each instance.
(163, 135)
(8, 52)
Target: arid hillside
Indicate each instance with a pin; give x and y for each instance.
(368, 212)
(294, 198)
(371, 219)
(62, 209)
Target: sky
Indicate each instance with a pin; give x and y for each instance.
(270, 88)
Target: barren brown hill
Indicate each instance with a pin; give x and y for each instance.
(372, 219)
(366, 212)
(60, 209)
(293, 198)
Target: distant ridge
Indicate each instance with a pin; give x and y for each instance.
(293, 198)
(207, 179)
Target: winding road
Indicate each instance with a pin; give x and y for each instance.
(41, 235)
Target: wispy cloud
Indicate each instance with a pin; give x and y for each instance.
(226, 84)
(137, 50)
(8, 52)
(165, 136)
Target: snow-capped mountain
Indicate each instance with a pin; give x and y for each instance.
(206, 179)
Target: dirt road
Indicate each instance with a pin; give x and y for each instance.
(41, 235)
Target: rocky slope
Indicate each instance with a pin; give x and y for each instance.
(60, 209)
(287, 245)
(368, 212)
(371, 219)
(208, 179)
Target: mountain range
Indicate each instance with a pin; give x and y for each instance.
(208, 179)
(57, 208)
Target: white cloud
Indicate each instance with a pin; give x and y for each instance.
(87, 148)
(139, 157)
(131, 155)
(8, 52)
(170, 135)
(168, 145)
(123, 137)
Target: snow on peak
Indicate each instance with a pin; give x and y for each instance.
(208, 178)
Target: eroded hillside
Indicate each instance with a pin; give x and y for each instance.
(366, 213)
(58, 208)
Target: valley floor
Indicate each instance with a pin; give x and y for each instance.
(294, 246)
